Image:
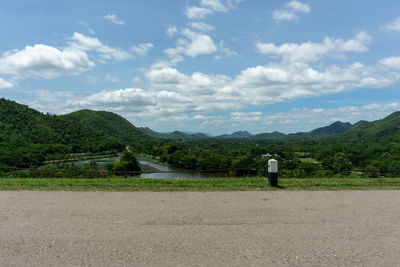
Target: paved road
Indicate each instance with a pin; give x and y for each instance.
(345, 228)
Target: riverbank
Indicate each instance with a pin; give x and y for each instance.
(217, 184)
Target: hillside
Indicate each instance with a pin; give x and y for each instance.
(330, 130)
(173, 135)
(269, 136)
(28, 136)
(238, 134)
(112, 124)
(387, 129)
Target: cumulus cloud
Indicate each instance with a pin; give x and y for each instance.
(114, 19)
(4, 84)
(195, 12)
(281, 14)
(298, 6)
(43, 61)
(393, 26)
(291, 10)
(311, 52)
(142, 49)
(390, 62)
(207, 7)
(199, 44)
(193, 45)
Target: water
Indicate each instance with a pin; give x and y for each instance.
(153, 169)
(163, 171)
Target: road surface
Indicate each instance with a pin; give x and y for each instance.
(302, 228)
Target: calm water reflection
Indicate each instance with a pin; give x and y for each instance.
(155, 170)
(168, 172)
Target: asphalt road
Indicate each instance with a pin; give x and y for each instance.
(346, 228)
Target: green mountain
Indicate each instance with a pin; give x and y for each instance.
(269, 136)
(330, 130)
(333, 129)
(28, 136)
(112, 124)
(173, 135)
(387, 129)
(239, 134)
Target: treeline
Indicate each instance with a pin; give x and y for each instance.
(128, 165)
(329, 158)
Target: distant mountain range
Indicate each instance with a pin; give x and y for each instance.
(333, 129)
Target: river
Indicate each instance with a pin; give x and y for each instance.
(153, 169)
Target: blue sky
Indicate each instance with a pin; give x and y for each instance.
(214, 66)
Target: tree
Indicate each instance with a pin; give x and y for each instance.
(341, 164)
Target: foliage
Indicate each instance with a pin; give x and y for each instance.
(128, 165)
(28, 137)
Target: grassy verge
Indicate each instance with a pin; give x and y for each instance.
(222, 184)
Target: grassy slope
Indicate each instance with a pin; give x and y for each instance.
(222, 184)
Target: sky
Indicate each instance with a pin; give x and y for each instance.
(213, 66)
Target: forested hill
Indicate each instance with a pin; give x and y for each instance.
(29, 137)
(387, 130)
(173, 135)
(111, 124)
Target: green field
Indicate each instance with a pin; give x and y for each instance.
(219, 184)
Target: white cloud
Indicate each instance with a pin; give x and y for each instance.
(196, 44)
(171, 31)
(166, 76)
(200, 44)
(215, 5)
(44, 62)
(201, 26)
(114, 19)
(246, 116)
(4, 84)
(298, 6)
(390, 62)
(195, 12)
(165, 108)
(208, 7)
(85, 43)
(110, 78)
(310, 52)
(281, 14)
(142, 49)
(393, 26)
(289, 13)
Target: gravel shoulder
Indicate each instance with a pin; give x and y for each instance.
(302, 228)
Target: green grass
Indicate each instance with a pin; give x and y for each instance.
(220, 184)
(308, 160)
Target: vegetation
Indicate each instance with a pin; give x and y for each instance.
(113, 125)
(28, 138)
(222, 184)
(128, 165)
